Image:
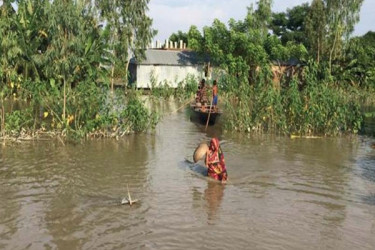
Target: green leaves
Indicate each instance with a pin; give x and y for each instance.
(55, 54)
(17, 120)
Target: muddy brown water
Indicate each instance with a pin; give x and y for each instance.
(282, 193)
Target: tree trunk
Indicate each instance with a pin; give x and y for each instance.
(333, 50)
(319, 49)
(126, 75)
(330, 55)
(112, 77)
(64, 115)
(2, 117)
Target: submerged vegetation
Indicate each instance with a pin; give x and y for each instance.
(315, 110)
(306, 77)
(59, 61)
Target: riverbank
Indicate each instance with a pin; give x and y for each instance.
(316, 110)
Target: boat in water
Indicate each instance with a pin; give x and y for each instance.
(205, 112)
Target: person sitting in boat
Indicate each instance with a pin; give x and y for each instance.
(215, 162)
(198, 95)
(202, 92)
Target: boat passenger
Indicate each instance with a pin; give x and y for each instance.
(203, 92)
(214, 94)
(198, 93)
(215, 162)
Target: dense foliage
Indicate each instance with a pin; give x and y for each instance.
(58, 58)
(292, 72)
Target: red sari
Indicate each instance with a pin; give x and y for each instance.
(215, 162)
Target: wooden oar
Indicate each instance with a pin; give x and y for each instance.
(189, 100)
(209, 113)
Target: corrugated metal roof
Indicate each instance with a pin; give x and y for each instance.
(168, 57)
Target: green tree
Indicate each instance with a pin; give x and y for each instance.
(316, 29)
(61, 60)
(262, 16)
(10, 51)
(342, 15)
(9, 46)
(130, 29)
(179, 36)
(216, 41)
(290, 25)
(329, 25)
(32, 26)
(358, 67)
(194, 38)
(54, 53)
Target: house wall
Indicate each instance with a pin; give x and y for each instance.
(172, 74)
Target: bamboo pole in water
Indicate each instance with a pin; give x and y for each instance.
(209, 113)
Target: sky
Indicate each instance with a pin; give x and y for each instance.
(170, 16)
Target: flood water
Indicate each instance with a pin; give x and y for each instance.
(282, 193)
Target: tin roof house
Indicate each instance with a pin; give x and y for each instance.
(165, 66)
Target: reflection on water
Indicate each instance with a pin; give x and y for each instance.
(213, 195)
(368, 127)
(282, 193)
(209, 199)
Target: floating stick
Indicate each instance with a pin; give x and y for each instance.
(128, 200)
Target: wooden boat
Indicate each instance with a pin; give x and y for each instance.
(202, 113)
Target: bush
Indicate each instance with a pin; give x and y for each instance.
(18, 120)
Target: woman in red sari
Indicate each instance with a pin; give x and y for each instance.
(215, 162)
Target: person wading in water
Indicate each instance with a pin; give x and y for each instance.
(215, 162)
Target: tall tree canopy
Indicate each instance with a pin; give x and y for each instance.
(329, 25)
(342, 15)
(52, 48)
(290, 25)
(129, 27)
(316, 29)
(179, 36)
